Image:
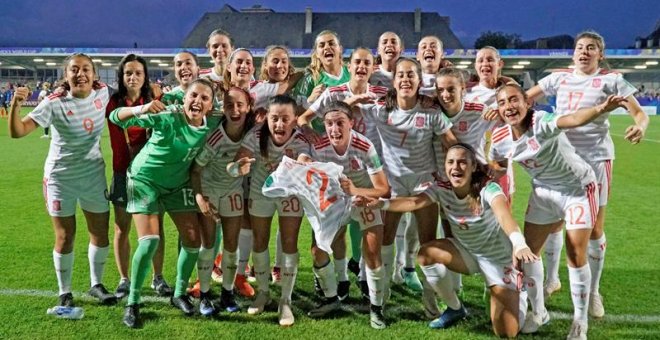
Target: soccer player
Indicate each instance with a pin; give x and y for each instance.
(219, 194)
(260, 153)
(430, 56)
(407, 131)
(74, 171)
(485, 239)
(45, 91)
(564, 190)
(390, 47)
(364, 177)
(325, 69)
(219, 45)
(186, 70)
(589, 85)
(158, 179)
(133, 90)
(277, 75)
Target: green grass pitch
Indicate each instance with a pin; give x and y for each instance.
(630, 283)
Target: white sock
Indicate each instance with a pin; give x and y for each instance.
(412, 241)
(341, 269)
(244, 249)
(96, 256)
(400, 243)
(363, 272)
(278, 249)
(289, 272)
(229, 266)
(327, 279)
(387, 256)
(261, 263)
(522, 308)
(553, 246)
(63, 270)
(457, 280)
(375, 282)
(204, 267)
(533, 280)
(438, 279)
(596, 253)
(580, 279)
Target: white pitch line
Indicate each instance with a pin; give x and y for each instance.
(643, 140)
(615, 318)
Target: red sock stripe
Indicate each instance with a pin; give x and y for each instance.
(593, 205)
(608, 173)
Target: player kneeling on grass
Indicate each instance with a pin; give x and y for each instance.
(485, 239)
(74, 170)
(364, 177)
(159, 179)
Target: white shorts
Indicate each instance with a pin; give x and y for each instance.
(410, 185)
(61, 196)
(578, 210)
(229, 204)
(603, 171)
(266, 207)
(495, 274)
(366, 217)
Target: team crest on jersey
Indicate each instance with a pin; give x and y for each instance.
(462, 224)
(533, 144)
(355, 164)
(420, 122)
(98, 104)
(69, 113)
(462, 126)
(595, 83)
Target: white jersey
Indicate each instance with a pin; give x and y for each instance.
(482, 94)
(471, 129)
(383, 78)
(477, 230)
(209, 73)
(427, 86)
(574, 92)
(545, 153)
(295, 146)
(76, 127)
(407, 135)
(360, 160)
(317, 186)
(363, 126)
(261, 91)
(219, 150)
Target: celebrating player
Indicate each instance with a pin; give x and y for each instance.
(134, 89)
(390, 47)
(186, 70)
(265, 146)
(430, 56)
(219, 45)
(563, 191)
(485, 239)
(74, 170)
(158, 180)
(589, 85)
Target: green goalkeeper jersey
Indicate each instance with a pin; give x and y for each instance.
(174, 97)
(166, 158)
(177, 95)
(306, 85)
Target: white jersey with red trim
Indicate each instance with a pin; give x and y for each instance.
(427, 86)
(360, 160)
(407, 137)
(545, 153)
(363, 126)
(574, 92)
(316, 185)
(482, 94)
(383, 78)
(209, 73)
(219, 150)
(471, 129)
(261, 91)
(264, 166)
(76, 126)
(476, 229)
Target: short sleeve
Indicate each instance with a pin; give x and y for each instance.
(374, 165)
(323, 101)
(490, 191)
(545, 124)
(549, 84)
(43, 113)
(443, 124)
(624, 88)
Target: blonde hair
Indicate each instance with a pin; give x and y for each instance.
(315, 64)
(226, 74)
(263, 73)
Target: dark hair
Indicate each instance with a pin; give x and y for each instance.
(379, 60)
(280, 99)
(479, 176)
(250, 118)
(205, 82)
(452, 72)
(527, 121)
(191, 54)
(145, 90)
(390, 97)
(338, 106)
(65, 83)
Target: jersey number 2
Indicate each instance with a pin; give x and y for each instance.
(323, 202)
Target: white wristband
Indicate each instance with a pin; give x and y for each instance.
(137, 110)
(232, 169)
(386, 203)
(517, 241)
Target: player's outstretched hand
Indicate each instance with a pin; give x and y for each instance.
(153, 106)
(523, 255)
(364, 98)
